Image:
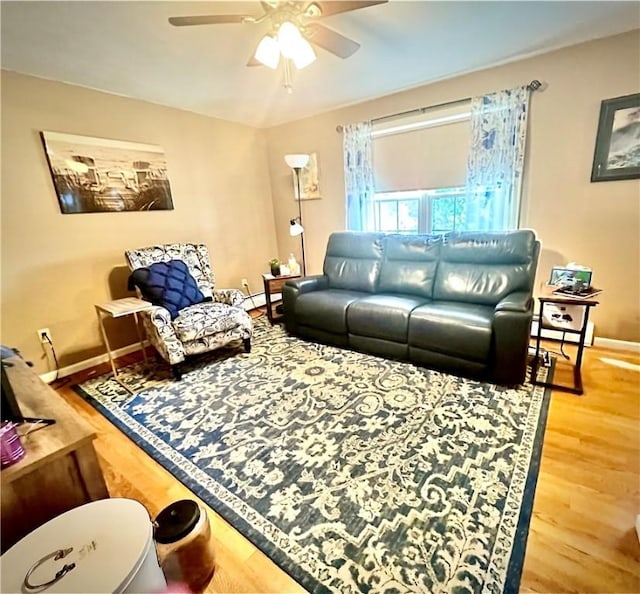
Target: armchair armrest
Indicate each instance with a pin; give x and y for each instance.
(159, 329)
(519, 302)
(234, 297)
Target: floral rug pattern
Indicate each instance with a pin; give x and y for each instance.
(352, 472)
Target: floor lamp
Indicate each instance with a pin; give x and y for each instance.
(297, 162)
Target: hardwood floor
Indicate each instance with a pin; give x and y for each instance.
(582, 536)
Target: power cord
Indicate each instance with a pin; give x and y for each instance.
(261, 313)
(55, 358)
(561, 352)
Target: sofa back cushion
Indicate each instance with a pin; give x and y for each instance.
(484, 267)
(353, 260)
(409, 265)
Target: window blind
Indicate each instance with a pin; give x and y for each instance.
(432, 155)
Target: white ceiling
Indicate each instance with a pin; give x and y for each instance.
(128, 48)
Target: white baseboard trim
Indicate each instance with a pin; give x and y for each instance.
(257, 301)
(88, 363)
(254, 301)
(617, 345)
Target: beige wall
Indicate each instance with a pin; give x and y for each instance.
(597, 224)
(55, 267)
(228, 181)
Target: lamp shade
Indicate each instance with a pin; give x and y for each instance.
(297, 161)
(295, 228)
(289, 38)
(268, 52)
(304, 54)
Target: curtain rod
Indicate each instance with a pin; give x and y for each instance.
(534, 85)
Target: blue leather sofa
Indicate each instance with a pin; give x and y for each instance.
(461, 303)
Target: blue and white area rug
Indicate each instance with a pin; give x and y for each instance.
(353, 473)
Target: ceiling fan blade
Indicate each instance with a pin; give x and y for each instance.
(330, 40)
(212, 19)
(329, 8)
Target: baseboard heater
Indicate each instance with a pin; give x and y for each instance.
(557, 334)
(254, 301)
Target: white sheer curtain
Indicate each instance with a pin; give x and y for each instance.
(496, 160)
(358, 175)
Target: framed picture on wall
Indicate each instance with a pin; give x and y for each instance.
(101, 175)
(617, 152)
(309, 180)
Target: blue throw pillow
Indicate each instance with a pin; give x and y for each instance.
(168, 284)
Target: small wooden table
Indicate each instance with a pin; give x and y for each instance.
(60, 469)
(548, 296)
(117, 309)
(272, 286)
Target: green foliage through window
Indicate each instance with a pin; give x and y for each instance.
(421, 211)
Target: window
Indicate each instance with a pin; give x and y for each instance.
(397, 212)
(420, 211)
(427, 151)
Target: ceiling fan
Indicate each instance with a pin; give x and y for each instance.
(293, 32)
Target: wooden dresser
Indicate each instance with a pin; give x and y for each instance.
(60, 469)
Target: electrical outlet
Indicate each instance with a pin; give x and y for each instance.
(43, 334)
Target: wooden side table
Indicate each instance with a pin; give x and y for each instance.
(549, 297)
(60, 469)
(272, 286)
(117, 309)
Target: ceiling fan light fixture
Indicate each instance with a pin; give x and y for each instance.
(268, 52)
(304, 54)
(289, 38)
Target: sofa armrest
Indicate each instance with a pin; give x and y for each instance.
(293, 289)
(234, 297)
(520, 301)
(159, 328)
(511, 336)
(309, 283)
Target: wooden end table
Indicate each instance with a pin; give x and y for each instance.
(60, 469)
(548, 296)
(272, 286)
(117, 309)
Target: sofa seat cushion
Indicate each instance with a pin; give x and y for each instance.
(206, 319)
(326, 309)
(383, 316)
(453, 328)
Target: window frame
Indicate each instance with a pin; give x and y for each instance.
(425, 199)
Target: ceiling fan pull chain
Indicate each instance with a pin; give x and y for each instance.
(288, 83)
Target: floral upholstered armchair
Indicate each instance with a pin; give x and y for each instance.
(200, 318)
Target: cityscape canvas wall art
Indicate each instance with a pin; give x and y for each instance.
(102, 175)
